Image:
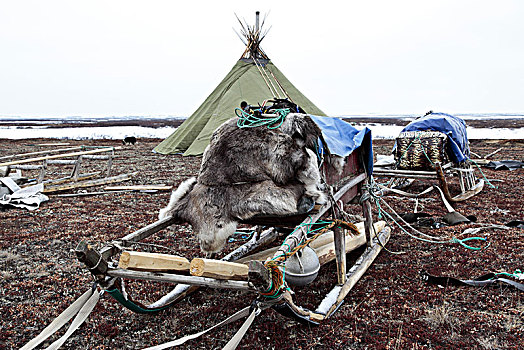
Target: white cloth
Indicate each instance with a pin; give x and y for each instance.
(29, 197)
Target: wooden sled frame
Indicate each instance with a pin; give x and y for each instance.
(57, 157)
(469, 184)
(350, 187)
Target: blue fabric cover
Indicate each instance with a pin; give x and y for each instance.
(342, 138)
(453, 127)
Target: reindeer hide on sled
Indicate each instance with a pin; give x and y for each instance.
(247, 172)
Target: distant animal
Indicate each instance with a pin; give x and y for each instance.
(129, 140)
(247, 172)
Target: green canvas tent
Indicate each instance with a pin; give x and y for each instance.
(254, 78)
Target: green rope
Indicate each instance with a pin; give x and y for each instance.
(517, 274)
(247, 120)
(424, 150)
(281, 264)
(484, 176)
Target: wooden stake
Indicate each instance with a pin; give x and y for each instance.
(368, 223)
(340, 254)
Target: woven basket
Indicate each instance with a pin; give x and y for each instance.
(420, 150)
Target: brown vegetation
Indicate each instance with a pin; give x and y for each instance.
(389, 308)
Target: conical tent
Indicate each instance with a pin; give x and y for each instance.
(254, 78)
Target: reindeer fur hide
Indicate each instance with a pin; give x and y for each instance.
(247, 172)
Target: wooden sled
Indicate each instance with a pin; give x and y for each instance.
(240, 270)
(468, 182)
(75, 156)
(426, 155)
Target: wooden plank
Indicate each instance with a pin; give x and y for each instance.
(56, 156)
(142, 261)
(87, 194)
(326, 253)
(218, 269)
(139, 188)
(90, 183)
(177, 278)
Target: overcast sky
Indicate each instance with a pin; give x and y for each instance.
(165, 57)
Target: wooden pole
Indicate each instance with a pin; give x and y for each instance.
(399, 172)
(368, 223)
(175, 278)
(85, 176)
(492, 153)
(42, 152)
(56, 156)
(340, 254)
